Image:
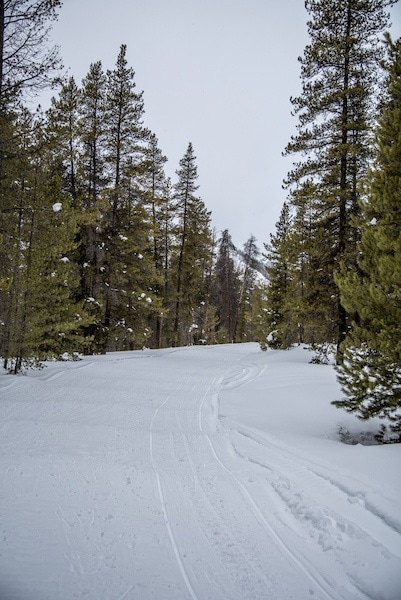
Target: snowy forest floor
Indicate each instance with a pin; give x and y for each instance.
(203, 473)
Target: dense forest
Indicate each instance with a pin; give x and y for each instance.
(100, 251)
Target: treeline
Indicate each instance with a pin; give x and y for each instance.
(334, 259)
(99, 250)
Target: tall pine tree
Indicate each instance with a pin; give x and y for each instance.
(125, 231)
(192, 249)
(226, 287)
(280, 290)
(339, 73)
(63, 117)
(371, 370)
(250, 256)
(157, 201)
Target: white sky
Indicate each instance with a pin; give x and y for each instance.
(217, 73)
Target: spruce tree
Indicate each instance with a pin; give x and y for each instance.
(339, 73)
(371, 370)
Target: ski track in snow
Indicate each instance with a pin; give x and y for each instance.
(125, 476)
(164, 509)
(290, 465)
(247, 374)
(308, 571)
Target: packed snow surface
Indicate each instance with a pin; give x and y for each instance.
(201, 473)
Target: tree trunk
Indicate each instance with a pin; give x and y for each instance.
(343, 220)
(2, 25)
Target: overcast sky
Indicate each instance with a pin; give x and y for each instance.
(217, 73)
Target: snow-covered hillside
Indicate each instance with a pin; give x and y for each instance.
(203, 473)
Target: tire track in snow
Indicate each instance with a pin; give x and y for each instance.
(163, 506)
(315, 579)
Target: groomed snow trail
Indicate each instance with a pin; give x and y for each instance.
(121, 480)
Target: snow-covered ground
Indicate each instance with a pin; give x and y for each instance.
(203, 473)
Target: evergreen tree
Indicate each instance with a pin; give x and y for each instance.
(63, 128)
(92, 171)
(371, 370)
(153, 188)
(40, 315)
(339, 73)
(132, 286)
(124, 132)
(101, 147)
(250, 257)
(193, 247)
(27, 64)
(258, 317)
(156, 196)
(201, 246)
(280, 271)
(124, 140)
(167, 238)
(226, 288)
(92, 133)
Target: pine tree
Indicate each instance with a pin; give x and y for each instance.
(280, 271)
(101, 147)
(41, 317)
(63, 117)
(339, 73)
(92, 133)
(153, 188)
(371, 370)
(167, 231)
(27, 64)
(201, 247)
(250, 256)
(92, 174)
(156, 196)
(125, 135)
(226, 288)
(124, 139)
(133, 282)
(193, 247)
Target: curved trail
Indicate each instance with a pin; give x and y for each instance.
(223, 515)
(124, 479)
(315, 579)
